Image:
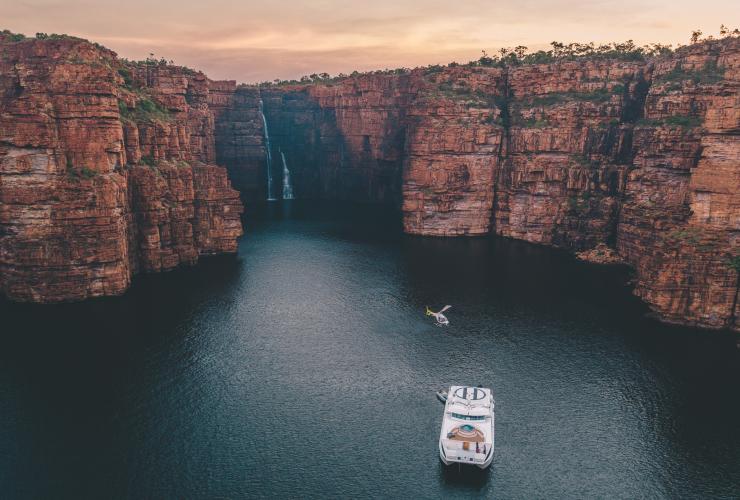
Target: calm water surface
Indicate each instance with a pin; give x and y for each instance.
(304, 367)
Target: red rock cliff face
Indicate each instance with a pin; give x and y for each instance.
(454, 142)
(681, 212)
(342, 141)
(101, 178)
(640, 156)
(107, 169)
(240, 144)
(568, 151)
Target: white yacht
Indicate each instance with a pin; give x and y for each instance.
(467, 427)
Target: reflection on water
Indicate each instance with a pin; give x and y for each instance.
(304, 366)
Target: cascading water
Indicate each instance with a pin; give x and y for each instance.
(269, 153)
(287, 186)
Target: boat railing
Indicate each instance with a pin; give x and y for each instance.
(459, 446)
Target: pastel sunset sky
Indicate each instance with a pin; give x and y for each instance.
(251, 40)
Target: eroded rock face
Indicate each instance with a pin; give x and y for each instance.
(80, 213)
(107, 169)
(342, 141)
(681, 210)
(568, 152)
(240, 144)
(454, 146)
(641, 158)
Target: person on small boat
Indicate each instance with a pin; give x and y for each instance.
(441, 318)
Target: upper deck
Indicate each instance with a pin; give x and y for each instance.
(469, 401)
(467, 426)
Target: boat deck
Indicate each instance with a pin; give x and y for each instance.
(470, 435)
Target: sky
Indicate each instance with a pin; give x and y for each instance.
(251, 41)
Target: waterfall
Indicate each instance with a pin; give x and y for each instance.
(287, 186)
(269, 153)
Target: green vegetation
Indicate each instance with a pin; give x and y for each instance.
(673, 86)
(519, 55)
(507, 57)
(685, 122)
(554, 98)
(327, 79)
(585, 161)
(55, 36)
(459, 91)
(152, 61)
(122, 108)
(451, 90)
(580, 204)
(489, 120)
(708, 74)
(20, 37)
(626, 51)
(88, 173)
(598, 96)
(149, 61)
(127, 78)
(724, 32)
(534, 123)
(149, 161)
(502, 102)
(13, 37)
(149, 108)
(146, 110)
(690, 235)
(734, 263)
(84, 172)
(605, 126)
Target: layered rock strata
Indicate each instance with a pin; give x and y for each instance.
(639, 156)
(106, 169)
(344, 140)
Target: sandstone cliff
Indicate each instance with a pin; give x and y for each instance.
(346, 140)
(640, 156)
(106, 169)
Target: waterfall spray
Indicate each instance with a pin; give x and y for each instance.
(287, 186)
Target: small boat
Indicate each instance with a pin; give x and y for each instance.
(467, 434)
(442, 395)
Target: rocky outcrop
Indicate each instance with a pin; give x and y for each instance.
(600, 254)
(240, 144)
(344, 140)
(455, 136)
(633, 161)
(106, 169)
(568, 151)
(680, 217)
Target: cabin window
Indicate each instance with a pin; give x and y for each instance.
(468, 417)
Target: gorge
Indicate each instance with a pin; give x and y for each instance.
(110, 168)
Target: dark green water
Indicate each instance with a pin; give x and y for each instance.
(304, 367)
